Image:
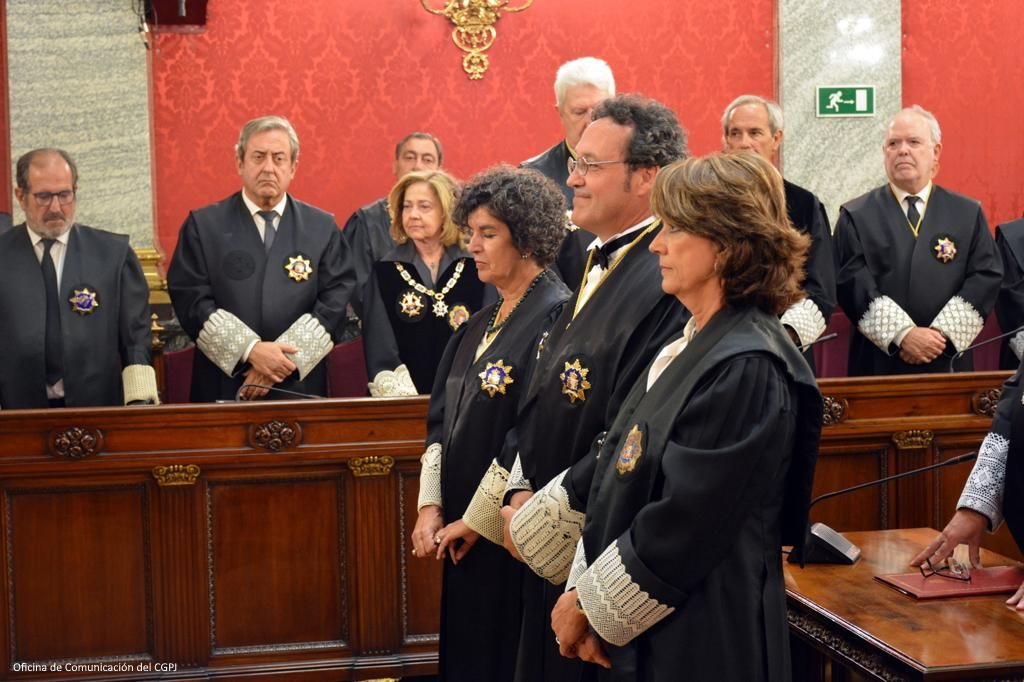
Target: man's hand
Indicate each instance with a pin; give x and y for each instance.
(966, 526)
(254, 377)
(921, 345)
(517, 500)
(268, 358)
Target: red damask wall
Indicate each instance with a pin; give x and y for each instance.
(965, 63)
(353, 77)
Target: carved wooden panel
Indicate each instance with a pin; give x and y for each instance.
(76, 442)
(275, 435)
(78, 573)
(985, 402)
(421, 578)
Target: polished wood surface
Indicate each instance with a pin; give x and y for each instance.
(884, 634)
(243, 540)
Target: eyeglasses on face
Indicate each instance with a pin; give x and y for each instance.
(582, 166)
(952, 569)
(64, 197)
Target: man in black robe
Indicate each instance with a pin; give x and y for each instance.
(918, 269)
(76, 302)
(1010, 302)
(608, 332)
(754, 124)
(580, 85)
(260, 280)
(367, 233)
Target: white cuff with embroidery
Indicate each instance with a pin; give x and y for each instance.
(579, 564)
(1017, 344)
(392, 384)
(224, 338)
(986, 485)
(882, 321)
(545, 531)
(139, 382)
(313, 341)
(430, 477)
(616, 607)
(806, 320)
(959, 321)
(516, 480)
(484, 511)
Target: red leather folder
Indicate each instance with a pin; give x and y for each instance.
(990, 580)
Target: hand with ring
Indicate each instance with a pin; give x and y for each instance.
(457, 538)
(424, 534)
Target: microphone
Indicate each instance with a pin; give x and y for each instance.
(959, 355)
(827, 546)
(820, 339)
(305, 396)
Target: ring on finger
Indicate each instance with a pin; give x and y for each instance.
(437, 539)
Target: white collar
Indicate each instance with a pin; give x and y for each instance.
(254, 209)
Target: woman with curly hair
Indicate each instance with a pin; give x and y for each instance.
(515, 220)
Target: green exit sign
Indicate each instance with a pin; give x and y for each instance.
(846, 100)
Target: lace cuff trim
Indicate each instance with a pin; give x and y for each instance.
(484, 511)
(224, 339)
(806, 319)
(392, 384)
(959, 321)
(139, 383)
(430, 477)
(1017, 344)
(986, 485)
(616, 607)
(883, 320)
(545, 531)
(516, 479)
(579, 564)
(313, 341)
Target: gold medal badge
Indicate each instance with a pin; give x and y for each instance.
(495, 377)
(298, 267)
(631, 451)
(411, 304)
(945, 249)
(440, 308)
(84, 301)
(457, 315)
(574, 381)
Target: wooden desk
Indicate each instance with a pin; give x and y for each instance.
(840, 613)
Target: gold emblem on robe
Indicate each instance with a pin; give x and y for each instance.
(495, 377)
(298, 268)
(411, 304)
(631, 451)
(574, 381)
(84, 301)
(457, 315)
(945, 249)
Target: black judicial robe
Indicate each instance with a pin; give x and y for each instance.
(879, 256)
(623, 325)
(808, 215)
(400, 325)
(698, 506)
(480, 603)
(1009, 421)
(220, 263)
(1010, 302)
(572, 256)
(97, 345)
(367, 237)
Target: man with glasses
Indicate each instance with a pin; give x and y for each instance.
(599, 345)
(77, 326)
(918, 268)
(580, 85)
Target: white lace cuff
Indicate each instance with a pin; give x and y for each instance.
(430, 477)
(545, 531)
(313, 341)
(579, 564)
(805, 319)
(392, 384)
(883, 320)
(139, 382)
(224, 338)
(1017, 344)
(516, 480)
(616, 607)
(959, 321)
(484, 511)
(986, 485)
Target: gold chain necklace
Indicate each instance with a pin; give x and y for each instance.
(440, 307)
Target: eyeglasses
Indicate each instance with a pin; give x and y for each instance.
(582, 166)
(953, 570)
(64, 197)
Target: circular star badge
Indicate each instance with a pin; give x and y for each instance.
(84, 301)
(411, 304)
(574, 381)
(495, 377)
(945, 249)
(298, 267)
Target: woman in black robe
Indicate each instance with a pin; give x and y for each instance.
(421, 291)
(515, 220)
(706, 471)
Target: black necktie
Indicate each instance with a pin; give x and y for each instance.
(268, 229)
(912, 215)
(603, 254)
(54, 347)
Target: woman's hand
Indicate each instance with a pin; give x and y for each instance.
(447, 537)
(1017, 599)
(572, 632)
(428, 523)
(966, 526)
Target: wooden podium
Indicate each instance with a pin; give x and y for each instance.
(845, 625)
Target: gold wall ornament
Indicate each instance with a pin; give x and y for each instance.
(914, 439)
(371, 466)
(474, 31)
(176, 474)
